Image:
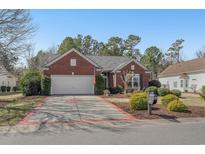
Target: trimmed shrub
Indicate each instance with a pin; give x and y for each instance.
(202, 96)
(8, 88)
(119, 88)
(203, 89)
(168, 98)
(116, 90)
(3, 89)
(14, 88)
(99, 85)
(151, 89)
(176, 93)
(32, 87)
(138, 101)
(45, 86)
(30, 82)
(163, 91)
(154, 83)
(176, 106)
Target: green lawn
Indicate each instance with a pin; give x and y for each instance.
(10, 96)
(12, 112)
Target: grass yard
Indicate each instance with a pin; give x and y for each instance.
(12, 112)
(10, 96)
(192, 99)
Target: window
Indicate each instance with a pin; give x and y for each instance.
(136, 81)
(175, 84)
(181, 83)
(72, 62)
(133, 81)
(186, 83)
(132, 67)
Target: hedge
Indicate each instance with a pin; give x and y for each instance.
(177, 106)
(45, 86)
(151, 89)
(99, 85)
(3, 89)
(163, 91)
(30, 82)
(139, 101)
(168, 98)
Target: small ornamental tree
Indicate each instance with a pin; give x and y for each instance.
(125, 77)
(154, 83)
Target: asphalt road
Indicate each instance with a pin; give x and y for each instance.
(189, 132)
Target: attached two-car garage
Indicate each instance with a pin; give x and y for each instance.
(72, 84)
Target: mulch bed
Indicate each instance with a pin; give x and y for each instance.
(160, 112)
(115, 96)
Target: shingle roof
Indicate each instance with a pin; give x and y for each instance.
(109, 63)
(184, 67)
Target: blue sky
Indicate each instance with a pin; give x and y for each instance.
(155, 27)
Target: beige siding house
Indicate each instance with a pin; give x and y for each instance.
(6, 78)
(188, 76)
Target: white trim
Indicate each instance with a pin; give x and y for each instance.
(45, 68)
(66, 53)
(132, 81)
(115, 80)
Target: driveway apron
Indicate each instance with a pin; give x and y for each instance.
(77, 112)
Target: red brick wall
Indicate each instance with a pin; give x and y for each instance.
(138, 70)
(62, 66)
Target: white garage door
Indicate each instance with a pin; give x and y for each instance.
(72, 84)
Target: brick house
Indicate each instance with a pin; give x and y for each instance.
(74, 73)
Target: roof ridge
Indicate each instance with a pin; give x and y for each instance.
(193, 65)
(195, 59)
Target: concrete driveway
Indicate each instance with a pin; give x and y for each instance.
(60, 113)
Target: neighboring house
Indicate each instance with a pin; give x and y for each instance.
(6, 78)
(188, 76)
(74, 73)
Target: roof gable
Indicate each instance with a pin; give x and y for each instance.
(190, 66)
(3, 71)
(107, 63)
(125, 64)
(58, 57)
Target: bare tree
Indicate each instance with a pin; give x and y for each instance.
(125, 77)
(200, 53)
(16, 28)
(41, 58)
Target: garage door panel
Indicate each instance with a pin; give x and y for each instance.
(72, 84)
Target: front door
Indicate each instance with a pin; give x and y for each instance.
(184, 84)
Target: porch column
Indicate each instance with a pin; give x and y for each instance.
(114, 80)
